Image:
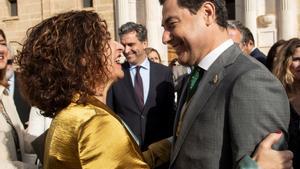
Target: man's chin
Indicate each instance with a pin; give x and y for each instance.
(183, 59)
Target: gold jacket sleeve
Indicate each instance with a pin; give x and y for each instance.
(103, 144)
(158, 153)
(90, 137)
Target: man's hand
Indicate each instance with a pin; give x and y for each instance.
(267, 158)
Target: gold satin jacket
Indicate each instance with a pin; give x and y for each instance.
(90, 137)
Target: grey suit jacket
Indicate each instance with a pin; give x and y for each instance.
(237, 103)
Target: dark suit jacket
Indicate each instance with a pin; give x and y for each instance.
(258, 55)
(155, 121)
(23, 107)
(237, 103)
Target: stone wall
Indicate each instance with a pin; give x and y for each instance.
(32, 12)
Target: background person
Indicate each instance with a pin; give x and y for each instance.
(13, 146)
(149, 110)
(22, 105)
(243, 36)
(287, 70)
(153, 55)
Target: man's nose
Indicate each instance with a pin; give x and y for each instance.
(166, 37)
(126, 49)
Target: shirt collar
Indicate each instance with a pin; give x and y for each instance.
(3, 91)
(209, 59)
(12, 78)
(145, 65)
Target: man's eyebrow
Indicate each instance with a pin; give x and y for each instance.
(166, 21)
(2, 42)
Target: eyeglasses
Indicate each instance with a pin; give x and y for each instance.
(10, 61)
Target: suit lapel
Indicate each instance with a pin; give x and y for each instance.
(210, 81)
(178, 112)
(180, 106)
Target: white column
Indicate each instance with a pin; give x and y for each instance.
(287, 19)
(122, 12)
(261, 7)
(125, 12)
(250, 17)
(155, 31)
(239, 11)
(132, 10)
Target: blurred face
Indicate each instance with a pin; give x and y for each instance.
(295, 66)
(115, 69)
(9, 67)
(153, 56)
(3, 53)
(235, 35)
(185, 32)
(134, 48)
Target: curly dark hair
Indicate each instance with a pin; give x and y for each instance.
(63, 56)
(194, 5)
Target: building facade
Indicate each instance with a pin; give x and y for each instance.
(17, 16)
(269, 20)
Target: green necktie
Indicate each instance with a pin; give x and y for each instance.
(193, 82)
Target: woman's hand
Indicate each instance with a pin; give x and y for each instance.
(267, 158)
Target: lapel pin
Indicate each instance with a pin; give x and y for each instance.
(215, 79)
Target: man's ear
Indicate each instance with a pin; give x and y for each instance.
(208, 11)
(251, 43)
(145, 44)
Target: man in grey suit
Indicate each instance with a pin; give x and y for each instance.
(236, 103)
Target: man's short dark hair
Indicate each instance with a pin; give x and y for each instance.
(246, 33)
(235, 24)
(194, 5)
(141, 31)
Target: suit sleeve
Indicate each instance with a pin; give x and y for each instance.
(109, 98)
(171, 101)
(247, 163)
(258, 105)
(104, 143)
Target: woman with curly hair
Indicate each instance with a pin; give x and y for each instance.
(287, 70)
(67, 64)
